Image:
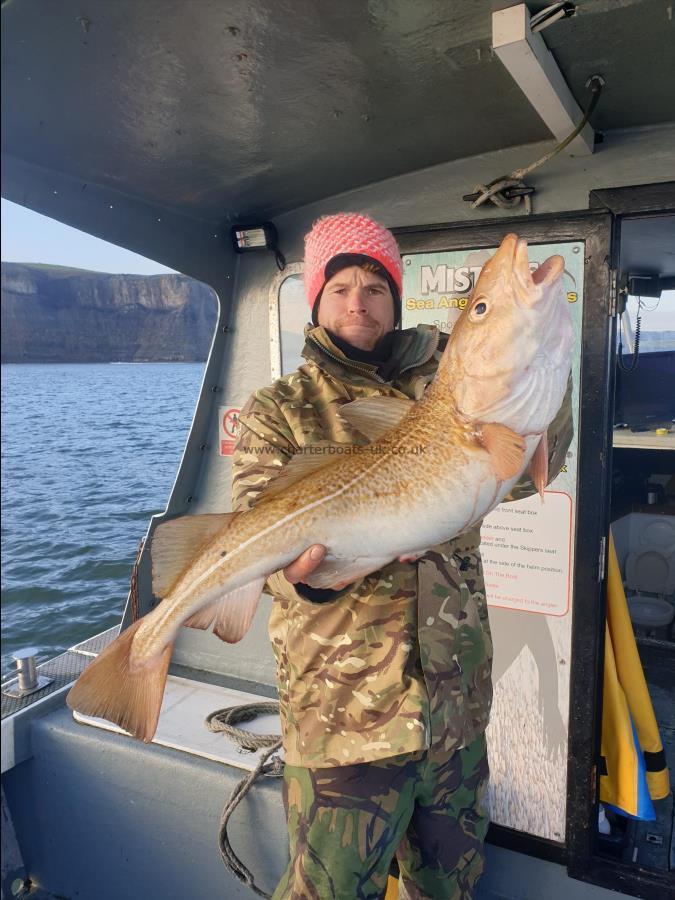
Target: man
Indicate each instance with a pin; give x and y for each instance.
(384, 684)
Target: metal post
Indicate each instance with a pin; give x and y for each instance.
(26, 668)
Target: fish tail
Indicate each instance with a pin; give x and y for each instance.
(130, 696)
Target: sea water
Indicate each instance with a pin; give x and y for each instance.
(89, 454)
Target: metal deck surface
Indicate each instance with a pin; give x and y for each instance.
(63, 669)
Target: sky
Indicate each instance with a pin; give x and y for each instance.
(29, 237)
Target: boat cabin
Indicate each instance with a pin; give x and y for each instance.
(209, 137)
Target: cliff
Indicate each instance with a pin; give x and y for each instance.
(56, 314)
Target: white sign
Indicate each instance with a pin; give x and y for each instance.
(528, 558)
(526, 547)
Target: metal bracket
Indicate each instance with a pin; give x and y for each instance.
(613, 292)
(27, 681)
(601, 559)
(12, 689)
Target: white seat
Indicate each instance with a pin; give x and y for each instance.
(650, 612)
(654, 533)
(650, 571)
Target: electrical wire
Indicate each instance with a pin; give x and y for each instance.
(641, 305)
(543, 13)
(507, 191)
(551, 14)
(632, 365)
(559, 15)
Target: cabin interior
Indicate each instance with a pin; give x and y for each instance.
(642, 503)
(161, 127)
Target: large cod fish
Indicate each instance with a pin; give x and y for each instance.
(433, 468)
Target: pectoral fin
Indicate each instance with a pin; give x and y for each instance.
(231, 614)
(176, 543)
(539, 466)
(506, 449)
(375, 416)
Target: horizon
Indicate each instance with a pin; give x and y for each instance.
(44, 265)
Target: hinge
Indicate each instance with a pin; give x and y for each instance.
(601, 560)
(612, 293)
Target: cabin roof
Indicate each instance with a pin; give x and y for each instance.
(245, 109)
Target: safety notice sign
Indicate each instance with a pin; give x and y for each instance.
(228, 428)
(526, 547)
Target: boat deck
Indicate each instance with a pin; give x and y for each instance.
(97, 811)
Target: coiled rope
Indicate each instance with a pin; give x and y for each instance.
(224, 721)
(508, 191)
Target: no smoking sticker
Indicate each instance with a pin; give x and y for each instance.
(228, 429)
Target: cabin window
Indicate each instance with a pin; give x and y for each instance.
(103, 353)
(644, 395)
(293, 316)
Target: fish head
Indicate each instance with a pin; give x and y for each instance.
(509, 355)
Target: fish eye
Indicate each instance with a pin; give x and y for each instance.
(479, 309)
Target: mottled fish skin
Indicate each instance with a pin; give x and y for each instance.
(384, 500)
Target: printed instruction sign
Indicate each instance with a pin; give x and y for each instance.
(228, 429)
(526, 548)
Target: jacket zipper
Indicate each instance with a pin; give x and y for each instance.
(348, 363)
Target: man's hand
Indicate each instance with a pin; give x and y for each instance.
(312, 558)
(412, 557)
(305, 564)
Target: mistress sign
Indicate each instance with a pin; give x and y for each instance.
(437, 286)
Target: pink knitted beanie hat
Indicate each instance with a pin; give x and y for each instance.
(349, 233)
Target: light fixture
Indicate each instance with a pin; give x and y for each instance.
(247, 238)
(532, 66)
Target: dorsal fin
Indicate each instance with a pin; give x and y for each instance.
(305, 461)
(375, 416)
(176, 542)
(506, 449)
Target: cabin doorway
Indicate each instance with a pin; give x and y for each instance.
(642, 514)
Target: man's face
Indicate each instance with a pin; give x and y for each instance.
(357, 306)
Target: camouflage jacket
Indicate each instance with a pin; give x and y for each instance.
(401, 660)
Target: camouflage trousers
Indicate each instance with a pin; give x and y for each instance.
(346, 823)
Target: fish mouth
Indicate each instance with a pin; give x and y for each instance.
(541, 272)
(513, 255)
(528, 294)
